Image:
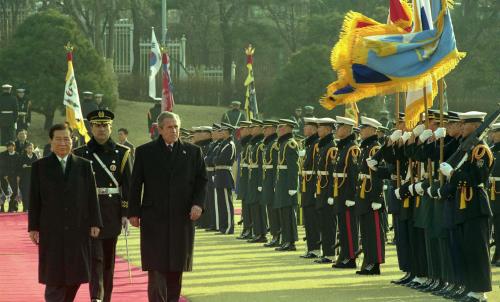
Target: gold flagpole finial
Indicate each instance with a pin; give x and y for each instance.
(164, 48)
(69, 47)
(249, 51)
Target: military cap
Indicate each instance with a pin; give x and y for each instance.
(204, 129)
(215, 127)
(244, 124)
(256, 122)
(5, 86)
(236, 103)
(21, 90)
(369, 122)
(436, 114)
(298, 109)
(101, 116)
(326, 121)
(270, 123)
(495, 127)
(311, 121)
(99, 95)
(341, 120)
(226, 126)
(472, 116)
(87, 93)
(195, 129)
(288, 122)
(453, 116)
(309, 109)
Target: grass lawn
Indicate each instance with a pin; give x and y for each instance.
(133, 116)
(230, 270)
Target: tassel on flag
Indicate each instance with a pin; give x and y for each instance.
(154, 64)
(72, 100)
(167, 96)
(251, 107)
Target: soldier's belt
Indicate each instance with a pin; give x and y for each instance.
(304, 173)
(21, 113)
(244, 165)
(363, 176)
(107, 191)
(223, 168)
(267, 166)
(339, 175)
(466, 186)
(7, 112)
(493, 178)
(282, 167)
(210, 169)
(253, 166)
(323, 173)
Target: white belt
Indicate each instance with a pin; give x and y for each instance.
(7, 111)
(223, 168)
(323, 173)
(339, 175)
(106, 191)
(210, 169)
(244, 165)
(493, 178)
(363, 176)
(307, 173)
(282, 167)
(267, 166)
(21, 113)
(253, 166)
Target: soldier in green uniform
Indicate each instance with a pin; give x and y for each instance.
(245, 137)
(234, 115)
(255, 158)
(286, 185)
(345, 177)
(370, 201)
(308, 188)
(467, 182)
(494, 191)
(269, 159)
(324, 165)
(112, 169)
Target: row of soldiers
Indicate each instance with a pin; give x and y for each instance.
(340, 185)
(15, 113)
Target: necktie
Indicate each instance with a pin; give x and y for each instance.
(63, 165)
(169, 148)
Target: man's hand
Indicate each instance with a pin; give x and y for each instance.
(135, 221)
(406, 136)
(349, 203)
(195, 213)
(292, 192)
(35, 237)
(372, 164)
(94, 232)
(330, 201)
(376, 206)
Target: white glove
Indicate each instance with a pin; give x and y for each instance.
(418, 188)
(410, 188)
(396, 192)
(376, 206)
(349, 203)
(302, 153)
(426, 134)
(419, 129)
(440, 133)
(372, 164)
(406, 136)
(446, 169)
(259, 189)
(330, 201)
(439, 193)
(125, 224)
(429, 192)
(396, 135)
(15, 125)
(292, 192)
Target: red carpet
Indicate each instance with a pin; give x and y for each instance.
(19, 268)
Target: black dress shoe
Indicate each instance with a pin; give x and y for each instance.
(351, 263)
(445, 290)
(405, 279)
(323, 260)
(245, 235)
(457, 294)
(429, 287)
(258, 239)
(211, 230)
(309, 255)
(288, 246)
(412, 284)
(370, 270)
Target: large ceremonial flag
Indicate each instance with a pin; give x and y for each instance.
(154, 64)
(251, 107)
(167, 96)
(379, 64)
(72, 100)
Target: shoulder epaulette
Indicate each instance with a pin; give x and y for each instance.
(480, 151)
(292, 144)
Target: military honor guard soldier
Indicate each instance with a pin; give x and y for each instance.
(234, 115)
(24, 107)
(494, 191)
(8, 115)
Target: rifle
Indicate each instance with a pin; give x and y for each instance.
(457, 158)
(128, 257)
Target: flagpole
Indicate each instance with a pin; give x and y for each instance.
(441, 124)
(429, 161)
(398, 163)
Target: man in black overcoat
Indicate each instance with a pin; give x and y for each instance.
(63, 211)
(174, 178)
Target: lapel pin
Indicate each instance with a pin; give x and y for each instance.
(184, 152)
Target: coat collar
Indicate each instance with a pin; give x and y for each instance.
(369, 140)
(285, 137)
(325, 140)
(345, 141)
(94, 146)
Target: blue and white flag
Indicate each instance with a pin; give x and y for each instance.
(154, 64)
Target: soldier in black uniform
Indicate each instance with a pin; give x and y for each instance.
(308, 188)
(345, 177)
(224, 181)
(494, 191)
(370, 201)
(254, 189)
(472, 209)
(299, 120)
(203, 138)
(324, 165)
(88, 106)
(245, 137)
(152, 117)
(24, 107)
(234, 115)
(212, 210)
(26, 160)
(287, 184)
(8, 115)
(269, 159)
(9, 173)
(112, 171)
